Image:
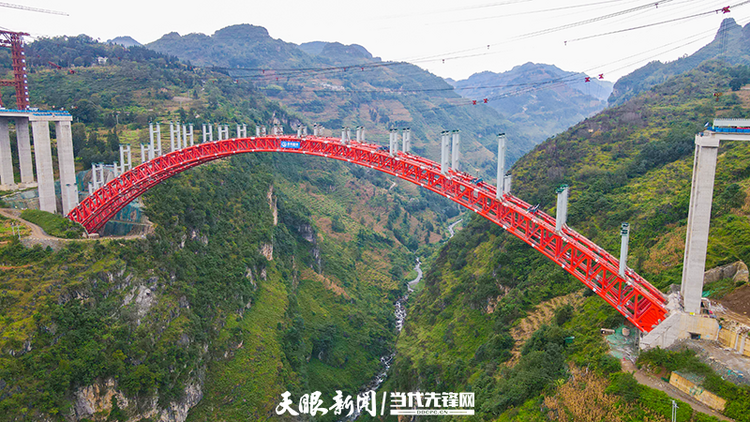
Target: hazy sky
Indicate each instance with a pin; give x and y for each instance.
(450, 39)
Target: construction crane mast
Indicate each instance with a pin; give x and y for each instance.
(14, 41)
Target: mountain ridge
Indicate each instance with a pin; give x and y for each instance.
(540, 98)
(338, 85)
(731, 44)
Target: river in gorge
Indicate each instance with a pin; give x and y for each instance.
(387, 360)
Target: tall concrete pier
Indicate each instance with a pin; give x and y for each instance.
(40, 121)
(456, 155)
(501, 178)
(68, 186)
(699, 214)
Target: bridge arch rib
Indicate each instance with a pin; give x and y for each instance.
(641, 303)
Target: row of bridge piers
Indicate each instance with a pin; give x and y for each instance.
(42, 160)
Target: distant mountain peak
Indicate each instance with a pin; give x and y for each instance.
(727, 24)
(242, 45)
(125, 41)
(335, 50)
(560, 99)
(240, 31)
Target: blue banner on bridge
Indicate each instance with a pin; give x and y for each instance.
(290, 144)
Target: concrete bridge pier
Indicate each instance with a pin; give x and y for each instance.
(561, 216)
(242, 131)
(208, 133)
(188, 133)
(24, 151)
(393, 147)
(316, 130)
(406, 140)
(506, 183)
(44, 172)
(126, 158)
(699, 219)
(154, 134)
(501, 166)
(445, 152)
(456, 150)
(625, 237)
(7, 179)
(66, 165)
(97, 176)
(173, 146)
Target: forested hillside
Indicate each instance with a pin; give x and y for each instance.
(481, 306)
(264, 273)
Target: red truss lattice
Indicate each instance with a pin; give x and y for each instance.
(640, 302)
(14, 41)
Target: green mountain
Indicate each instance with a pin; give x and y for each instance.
(337, 85)
(730, 45)
(264, 273)
(499, 319)
(541, 100)
(125, 42)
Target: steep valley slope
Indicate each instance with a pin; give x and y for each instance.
(628, 163)
(264, 274)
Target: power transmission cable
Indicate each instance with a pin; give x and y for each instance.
(32, 9)
(711, 12)
(528, 12)
(461, 9)
(443, 57)
(543, 31)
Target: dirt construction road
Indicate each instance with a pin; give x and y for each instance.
(656, 383)
(37, 233)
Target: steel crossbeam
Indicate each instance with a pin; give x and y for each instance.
(640, 302)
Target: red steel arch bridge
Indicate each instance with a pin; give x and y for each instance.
(641, 303)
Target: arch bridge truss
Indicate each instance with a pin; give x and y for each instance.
(640, 302)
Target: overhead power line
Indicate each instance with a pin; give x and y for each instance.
(32, 9)
(726, 9)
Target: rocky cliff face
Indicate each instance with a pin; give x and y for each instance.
(96, 402)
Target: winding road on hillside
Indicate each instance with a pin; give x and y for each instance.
(36, 231)
(38, 235)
